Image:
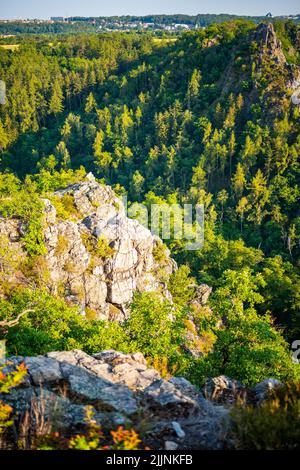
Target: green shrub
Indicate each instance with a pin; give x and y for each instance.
(103, 250)
(98, 247)
(26, 205)
(179, 284)
(248, 345)
(160, 253)
(65, 207)
(36, 270)
(47, 181)
(156, 328)
(10, 257)
(54, 326)
(90, 313)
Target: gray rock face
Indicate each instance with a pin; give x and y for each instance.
(203, 292)
(164, 394)
(115, 367)
(266, 37)
(96, 254)
(223, 389)
(185, 386)
(91, 389)
(121, 390)
(178, 429)
(271, 49)
(262, 389)
(43, 369)
(170, 445)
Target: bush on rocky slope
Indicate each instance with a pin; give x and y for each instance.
(274, 424)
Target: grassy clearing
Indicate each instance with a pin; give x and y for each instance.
(11, 47)
(164, 41)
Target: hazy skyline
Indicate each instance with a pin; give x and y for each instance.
(36, 9)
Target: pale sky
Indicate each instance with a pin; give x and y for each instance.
(44, 9)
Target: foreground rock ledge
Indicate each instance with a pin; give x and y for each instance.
(122, 390)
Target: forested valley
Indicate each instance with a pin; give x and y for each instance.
(205, 117)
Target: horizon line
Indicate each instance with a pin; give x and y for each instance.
(150, 14)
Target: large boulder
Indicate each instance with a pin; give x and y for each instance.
(164, 395)
(96, 255)
(223, 389)
(263, 389)
(127, 369)
(120, 389)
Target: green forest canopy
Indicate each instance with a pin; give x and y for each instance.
(203, 119)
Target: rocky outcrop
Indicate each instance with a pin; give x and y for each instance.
(225, 390)
(222, 389)
(271, 51)
(95, 253)
(121, 389)
(263, 77)
(268, 42)
(264, 388)
(198, 344)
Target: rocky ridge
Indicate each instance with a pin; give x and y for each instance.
(276, 95)
(260, 74)
(271, 46)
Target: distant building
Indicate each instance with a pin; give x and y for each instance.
(181, 25)
(57, 18)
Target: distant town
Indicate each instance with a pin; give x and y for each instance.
(164, 23)
(111, 24)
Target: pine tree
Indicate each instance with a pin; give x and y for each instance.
(98, 144)
(222, 198)
(103, 159)
(199, 177)
(56, 101)
(4, 140)
(138, 115)
(90, 104)
(238, 181)
(249, 152)
(218, 115)
(193, 87)
(137, 185)
(240, 102)
(63, 155)
(231, 150)
(66, 130)
(259, 196)
(241, 209)
(230, 118)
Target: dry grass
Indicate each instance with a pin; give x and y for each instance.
(163, 41)
(163, 367)
(62, 245)
(273, 425)
(38, 421)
